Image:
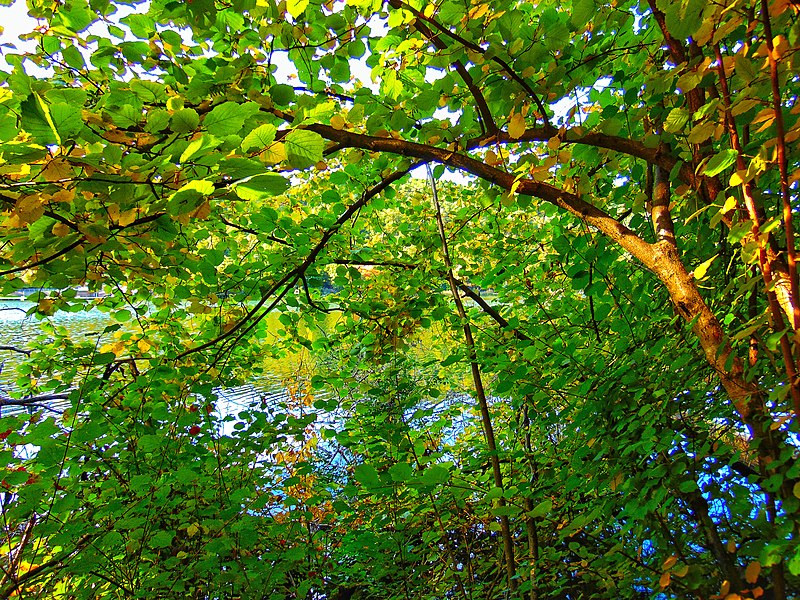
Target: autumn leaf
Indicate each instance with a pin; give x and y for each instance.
(516, 126)
(752, 572)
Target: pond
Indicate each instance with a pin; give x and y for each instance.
(267, 392)
(18, 332)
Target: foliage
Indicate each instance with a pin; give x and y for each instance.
(571, 373)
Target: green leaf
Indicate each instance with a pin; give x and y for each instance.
(368, 476)
(149, 91)
(304, 148)
(226, 118)
(260, 187)
(104, 358)
(401, 472)
(719, 162)
(75, 16)
(158, 119)
(542, 509)
(676, 120)
(162, 539)
(239, 168)
(506, 511)
(37, 121)
(435, 475)
(282, 94)
(258, 139)
(185, 120)
(582, 12)
(186, 475)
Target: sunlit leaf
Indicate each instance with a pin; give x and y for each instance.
(304, 148)
(261, 186)
(719, 162)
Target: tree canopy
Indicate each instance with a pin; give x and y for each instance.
(532, 265)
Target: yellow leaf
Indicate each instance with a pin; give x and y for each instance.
(701, 132)
(554, 142)
(780, 45)
(192, 529)
(143, 345)
(680, 571)
(273, 154)
(46, 306)
(669, 562)
(491, 158)
(516, 127)
(730, 204)
(479, 11)
(127, 217)
(57, 169)
(118, 348)
(752, 571)
(296, 7)
(701, 269)
(29, 208)
(796, 490)
(113, 212)
(665, 579)
(60, 229)
(738, 178)
(15, 171)
(337, 122)
(64, 196)
(731, 546)
(726, 587)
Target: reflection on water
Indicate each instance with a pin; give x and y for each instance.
(265, 393)
(19, 330)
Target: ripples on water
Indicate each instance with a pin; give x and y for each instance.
(20, 330)
(267, 393)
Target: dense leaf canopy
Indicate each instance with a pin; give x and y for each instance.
(523, 276)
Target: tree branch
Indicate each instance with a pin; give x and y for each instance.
(570, 202)
(15, 349)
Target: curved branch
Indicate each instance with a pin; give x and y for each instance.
(549, 193)
(15, 349)
(480, 101)
(32, 400)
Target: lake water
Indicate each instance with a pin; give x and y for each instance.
(267, 392)
(19, 330)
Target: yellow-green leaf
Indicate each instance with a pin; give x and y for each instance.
(296, 7)
(516, 127)
(702, 268)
